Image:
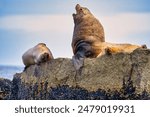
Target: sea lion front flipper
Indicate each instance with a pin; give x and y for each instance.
(25, 68)
(77, 62)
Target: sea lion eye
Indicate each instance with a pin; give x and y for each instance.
(80, 9)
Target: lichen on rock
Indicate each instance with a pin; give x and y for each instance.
(5, 88)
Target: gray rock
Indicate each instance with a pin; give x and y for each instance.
(5, 88)
(116, 76)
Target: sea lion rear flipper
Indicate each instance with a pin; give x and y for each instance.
(144, 46)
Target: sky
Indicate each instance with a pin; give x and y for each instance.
(25, 23)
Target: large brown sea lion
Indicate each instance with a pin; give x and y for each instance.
(87, 31)
(36, 55)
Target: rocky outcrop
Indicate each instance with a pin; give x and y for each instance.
(5, 88)
(117, 76)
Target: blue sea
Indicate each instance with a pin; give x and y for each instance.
(9, 71)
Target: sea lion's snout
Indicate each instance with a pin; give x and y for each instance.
(78, 7)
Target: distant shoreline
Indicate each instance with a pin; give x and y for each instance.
(7, 71)
(1, 65)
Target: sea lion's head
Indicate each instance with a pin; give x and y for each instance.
(43, 53)
(81, 12)
(44, 57)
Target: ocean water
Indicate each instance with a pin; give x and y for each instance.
(9, 71)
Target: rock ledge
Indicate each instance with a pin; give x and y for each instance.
(117, 76)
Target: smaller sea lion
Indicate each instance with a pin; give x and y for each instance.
(36, 55)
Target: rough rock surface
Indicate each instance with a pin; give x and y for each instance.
(5, 88)
(117, 76)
